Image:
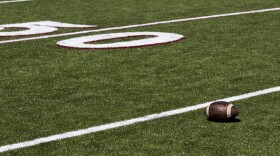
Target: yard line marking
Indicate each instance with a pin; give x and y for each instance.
(130, 121)
(13, 1)
(140, 25)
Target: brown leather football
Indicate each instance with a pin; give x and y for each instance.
(221, 111)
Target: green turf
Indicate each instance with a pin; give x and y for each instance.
(47, 90)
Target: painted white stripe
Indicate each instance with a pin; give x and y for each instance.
(130, 121)
(141, 25)
(229, 110)
(13, 1)
(207, 110)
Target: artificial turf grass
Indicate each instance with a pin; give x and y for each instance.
(185, 134)
(48, 90)
(48, 82)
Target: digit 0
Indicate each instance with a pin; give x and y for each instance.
(87, 42)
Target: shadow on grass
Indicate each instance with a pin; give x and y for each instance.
(226, 121)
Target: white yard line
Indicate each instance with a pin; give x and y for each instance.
(140, 25)
(108, 126)
(13, 1)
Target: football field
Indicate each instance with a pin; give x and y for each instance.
(132, 77)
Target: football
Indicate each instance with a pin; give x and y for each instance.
(221, 111)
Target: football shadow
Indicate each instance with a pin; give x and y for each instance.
(226, 121)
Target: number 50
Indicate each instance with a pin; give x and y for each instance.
(89, 42)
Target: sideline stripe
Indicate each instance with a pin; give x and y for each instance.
(141, 25)
(13, 1)
(130, 121)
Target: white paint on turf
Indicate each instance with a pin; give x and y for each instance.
(155, 38)
(141, 25)
(37, 28)
(130, 121)
(13, 1)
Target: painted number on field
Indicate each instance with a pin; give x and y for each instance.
(36, 28)
(87, 42)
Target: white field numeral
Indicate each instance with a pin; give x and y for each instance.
(87, 42)
(37, 28)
